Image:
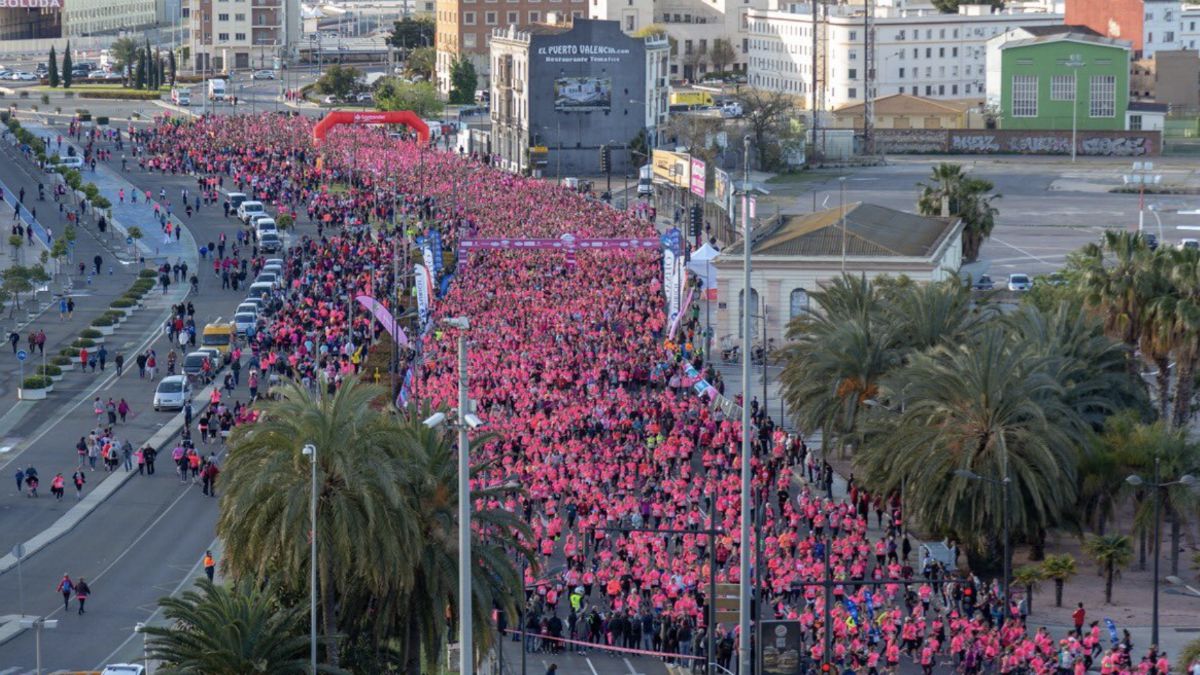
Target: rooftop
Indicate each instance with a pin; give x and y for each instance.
(1089, 37)
(907, 104)
(871, 231)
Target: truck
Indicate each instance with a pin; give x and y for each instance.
(690, 99)
(216, 90)
(645, 184)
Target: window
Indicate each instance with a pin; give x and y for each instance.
(1062, 88)
(628, 21)
(1169, 36)
(929, 52)
(1135, 122)
(941, 52)
(853, 35)
(240, 37)
(798, 304)
(954, 90)
(1149, 37)
(512, 18)
(941, 90)
(853, 74)
(239, 17)
(222, 37)
(1103, 96)
(852, 93)
(901, 72)
(490, 18)
(469, 40)
(1024, 96)
(468, 18)
(954, 51)
(222, 17)
(901, 89)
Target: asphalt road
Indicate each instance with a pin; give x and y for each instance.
(142, 543)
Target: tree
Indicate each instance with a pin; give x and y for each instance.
(951, 6)
(139, 71)
(16, 242)
(66, 66)
(969, 200)
(229, 630)
(171, 66)
(367, 533)
(124, 53)
(52, 67)
(339, 81)
(769, 115)
(1112, 279)
(19, 279)
(699, 134)
(1059, 568)
(1111, 552)
(411, 33)
(421, 61)
(722, 54)
(1028, 577)
(392, 93)
(463, 81)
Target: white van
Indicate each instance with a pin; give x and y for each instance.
(248, 209)
(645, 184)
(216, 90)
(265, 224)
(181, 96)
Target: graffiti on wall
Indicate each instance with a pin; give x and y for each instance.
(912, 141)
(1040, 145)
(980, 141)
(1121, 146)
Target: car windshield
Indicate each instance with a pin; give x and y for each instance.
(170, 387)
(244, 318)
(215, 339)
(194, 361)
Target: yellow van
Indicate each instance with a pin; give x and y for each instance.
(691, 99)
(219, 336)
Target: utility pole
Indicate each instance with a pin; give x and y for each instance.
(744, 536)
(869, 78)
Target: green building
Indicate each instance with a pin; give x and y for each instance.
(1044, 76)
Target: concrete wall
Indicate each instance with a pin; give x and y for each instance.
(988, 142)
(1177, 78)
(1122, 19)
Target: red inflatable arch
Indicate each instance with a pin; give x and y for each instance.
(406, 117)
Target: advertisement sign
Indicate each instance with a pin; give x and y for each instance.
(780, 653)
(582, 93)
(424, 290)
(671, 283)
(723, 190)
(672, 167)
(32, 4)
(698, 177)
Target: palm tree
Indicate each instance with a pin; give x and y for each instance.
(836, 357)
(967, 198)
(367, 534)
(1182, 325)
(1112, 276)
(922, 316)
(222, 630)
(992, 407)
(496, 582)
(1111, 552)
(1028, 576)
(1059, 568)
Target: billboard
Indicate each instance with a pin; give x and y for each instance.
(781, 648)
(582, 93)
(699, 177)
(672, 167)
(723, 190)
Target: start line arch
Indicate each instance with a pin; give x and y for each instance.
(406, 117)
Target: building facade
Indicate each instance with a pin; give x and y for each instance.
(464, 29)
(1168, 77)
(1040, 90)
(560, 92)
(918, 50)
(226, 35)
(696, 28)
(1148, 25)
(31, 19)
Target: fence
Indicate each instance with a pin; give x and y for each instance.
(1012, 141)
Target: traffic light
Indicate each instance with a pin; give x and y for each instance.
(604, 159)
(697, 221)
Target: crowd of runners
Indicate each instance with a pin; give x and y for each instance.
(571, 366)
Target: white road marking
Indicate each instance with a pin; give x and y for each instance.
(1019, 250)
(630, 667)
(589, 662)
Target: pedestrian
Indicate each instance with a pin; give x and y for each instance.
(79, 479)
(1078, 616)
(151, 364)
(127, 453)
(15, 339)
(70, 307)
(56, 486)
(66, 587)
(98, 410)
(41, 341)
(98, 262)
(141, 364)
(20, 476)
(210, 565)
(120, 362)
(122, 409)
(140, 456)
(81, 593)
(149, 453)
(62, 308)
(208, 478)
(102, 356)
(110, 409)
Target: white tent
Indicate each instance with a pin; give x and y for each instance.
(701, 267)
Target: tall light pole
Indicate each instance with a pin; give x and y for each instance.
(1005, 485)
(1075, 62)
(1142, 176)
(744, 535)
(842, 190)
(310, 451)
(140, 627)
(1158, 485)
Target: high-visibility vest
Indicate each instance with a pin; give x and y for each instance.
(208, 561)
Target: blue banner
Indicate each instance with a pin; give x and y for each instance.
(1112, 630)
(435, 240)
(672, 239)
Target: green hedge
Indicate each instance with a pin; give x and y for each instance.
(49, 371)
(148, 274)
(122, 95)
(90, 333)
(62, 360)
(114, 315)
(102, 321)
(122, 303)
(83, 343)
(36, 382)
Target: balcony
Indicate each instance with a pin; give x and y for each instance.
(266, 19)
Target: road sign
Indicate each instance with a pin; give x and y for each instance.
(129, 241)
(22, 355)
(18, 551)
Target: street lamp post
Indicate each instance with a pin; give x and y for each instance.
(38, 625)
(1075, 62)
(744, 535)
(310, 451)
(140, 627)
(1005, 484)
(1158, 485)
(1142, 176)
(842, 190)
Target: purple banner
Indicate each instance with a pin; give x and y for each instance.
(564, 243)
(682, 311)
(383, 316)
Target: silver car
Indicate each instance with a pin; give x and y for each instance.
(172, 393)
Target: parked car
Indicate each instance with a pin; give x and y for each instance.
(260, 305)
(270, 242)
(983, 283)
(124, 669)
(244, 321)
(249, 209)
(263, 75)
(236, 199)
(1189, 243)
(1019, 282)
(71, 161)
(172, 393)
(23, 76)
(364, 97)
(1151, 241)
(331, 100)
(193, 363)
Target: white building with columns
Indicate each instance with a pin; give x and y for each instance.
(918, 50)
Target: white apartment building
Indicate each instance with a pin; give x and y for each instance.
(918, 50)
(92, 17)
(227, 35)
(1189, 27)
(693, 25)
